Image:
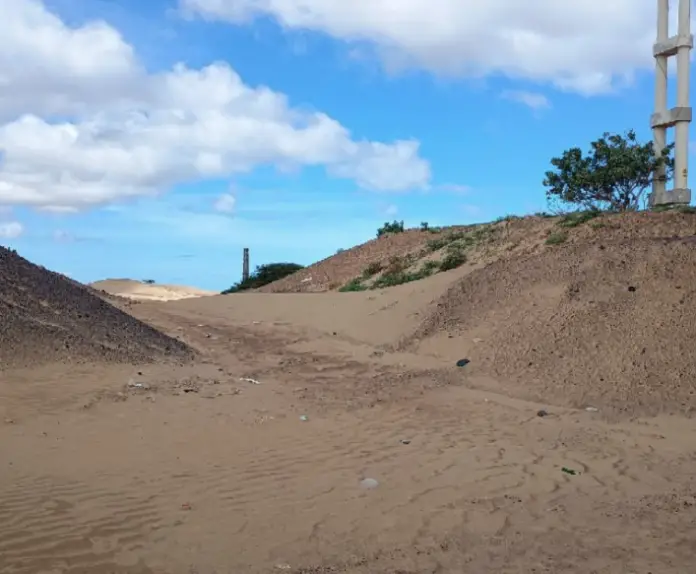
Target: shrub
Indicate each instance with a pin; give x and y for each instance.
(353, 285)
(372, 269)
(454, 258)
(557, 238)
(263, 275)
(578, 218)
(393, 227)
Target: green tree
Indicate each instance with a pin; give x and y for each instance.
(614, 174)
(393, 227)
(263, 275)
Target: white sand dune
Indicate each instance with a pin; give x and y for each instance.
(137, 290)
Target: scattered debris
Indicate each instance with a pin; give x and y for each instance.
(568, 471)
(248, 380)
(542, 413)
(283, 567)
(591, 409)
(463, 362)
(133, 385)
(304, 418)
(369, 483)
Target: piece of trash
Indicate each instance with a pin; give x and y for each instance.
(568, 471)
(631, 289)
(369, 483)
(186, 506)
(304, 418)
(252, 381)
(133, 385)
(477, 340)
(542, 413)
(283, 566)
(463, 362)
(591, 409)
(405, 441)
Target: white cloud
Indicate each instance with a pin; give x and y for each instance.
(586, 46)
(11, 230)
(125, 133)
(533, 100)
(225, 203)
(391, 210)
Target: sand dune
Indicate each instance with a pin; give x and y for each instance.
(139, 291)
(252, 457)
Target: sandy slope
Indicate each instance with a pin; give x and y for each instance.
(161, 469)
(137, 290)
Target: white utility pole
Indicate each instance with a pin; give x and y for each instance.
(678, 117)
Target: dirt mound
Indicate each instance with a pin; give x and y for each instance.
(606, 319)
(47, 317)
(139, 291)
(333, 272)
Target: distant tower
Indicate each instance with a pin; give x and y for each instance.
(245, 264)
(678, 117)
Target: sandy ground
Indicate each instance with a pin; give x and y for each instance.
(139, 291)
(197, 469)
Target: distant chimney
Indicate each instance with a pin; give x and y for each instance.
(245, 264)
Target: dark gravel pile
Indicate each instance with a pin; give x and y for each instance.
(46, 317)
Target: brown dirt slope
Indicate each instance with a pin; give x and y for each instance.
(332, 272)
(404, 257)
(606, 318)
(46, 317)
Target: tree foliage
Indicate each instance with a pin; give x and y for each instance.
(263, 275)
(613, 175)
(393, 227)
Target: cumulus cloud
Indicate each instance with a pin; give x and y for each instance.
(11, 229)
(586, 46)
(225, 203)
(532, 100)
(83, 124)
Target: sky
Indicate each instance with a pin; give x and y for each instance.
(156, 139)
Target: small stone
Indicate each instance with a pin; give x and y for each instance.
(542, 413)
(632, 289)
(369, 483)
(405, 441)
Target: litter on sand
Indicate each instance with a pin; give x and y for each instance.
(248, 380)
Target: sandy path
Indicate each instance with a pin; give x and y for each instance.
(228, 478)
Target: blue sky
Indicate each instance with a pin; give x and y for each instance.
(486, 131)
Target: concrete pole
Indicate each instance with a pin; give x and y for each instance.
(660, 132)
(678, 117)
(681, 140)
